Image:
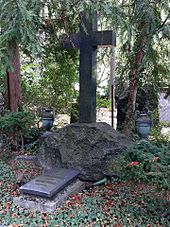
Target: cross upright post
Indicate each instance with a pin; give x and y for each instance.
(87, 69)
(87, 40)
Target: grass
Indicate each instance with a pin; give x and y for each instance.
(115, 204)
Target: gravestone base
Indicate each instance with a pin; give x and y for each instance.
(45, 204)
(90, 149)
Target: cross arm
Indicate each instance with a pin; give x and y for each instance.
(71, 41)
(105, 38)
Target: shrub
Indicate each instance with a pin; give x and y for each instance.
(14, 125)
(31, 139)
(147, 162)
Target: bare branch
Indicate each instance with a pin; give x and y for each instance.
(166, 19)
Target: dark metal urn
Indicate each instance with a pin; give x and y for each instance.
(143, 125)
(47, 119)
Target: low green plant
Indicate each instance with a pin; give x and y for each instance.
(31, 139)
(146, 162)
(14, 125)
(103, 102)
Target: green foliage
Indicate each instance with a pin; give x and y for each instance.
(144, 20)
(14, 125)
(103, 102)
(31, 140)
(39, 25)
(31, 88)
(20, 23)
(32, 134)
(147, 162)
(60, 76)
(52, 84)
(16, 122)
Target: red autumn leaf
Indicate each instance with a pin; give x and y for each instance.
(133, 163)
(76, 198)
(141, 186)
(118, 225)
(3, 211)
(8, 205)
(110, 192)
(69, 203)
(120, 184)
(72, 216)
(58, 209)
(44, 216)
(109, 186)
(14, 215)
(46, 224)
(13, 193)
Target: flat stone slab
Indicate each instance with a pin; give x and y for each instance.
(31, 158)
(50, 183)
(45, 204)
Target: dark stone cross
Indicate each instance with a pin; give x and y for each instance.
(87, 40)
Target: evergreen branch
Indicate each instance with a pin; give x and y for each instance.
(75, 3)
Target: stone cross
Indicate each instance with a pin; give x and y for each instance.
(87, 40)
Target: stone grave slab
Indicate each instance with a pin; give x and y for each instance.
(50, 183)
(49, 204)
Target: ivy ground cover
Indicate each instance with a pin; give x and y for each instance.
(115, 204)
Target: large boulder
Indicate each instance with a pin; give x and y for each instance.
(89, 148)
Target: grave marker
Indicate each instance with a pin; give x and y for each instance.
(164, 107)
(87, 40)
(50, 183)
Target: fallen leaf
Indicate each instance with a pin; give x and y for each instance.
(8, 205)
(72, 216)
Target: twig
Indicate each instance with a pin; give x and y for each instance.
(164, 22)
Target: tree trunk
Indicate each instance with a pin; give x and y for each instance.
(1, 104)
(13, 78)
(112, 87)
(133, 87)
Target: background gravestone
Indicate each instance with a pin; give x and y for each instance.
(89, 148)
(164, 108)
